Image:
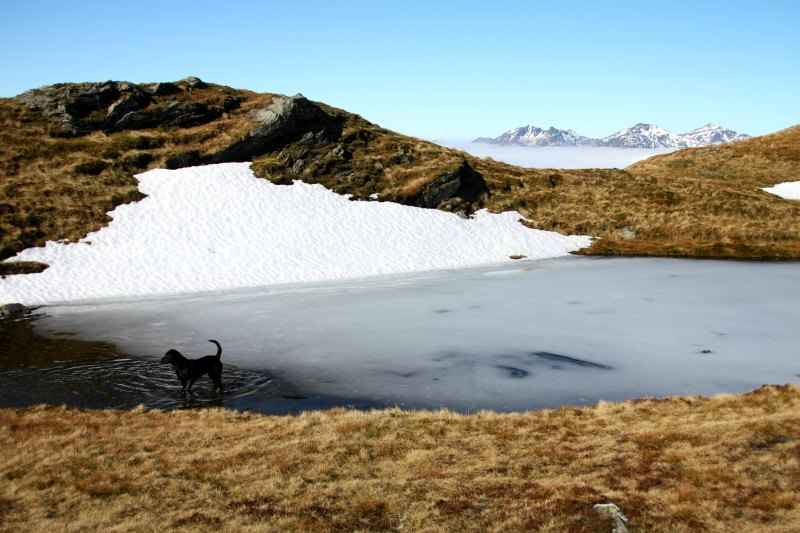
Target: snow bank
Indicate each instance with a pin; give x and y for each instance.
(219, 227)
(790, 190)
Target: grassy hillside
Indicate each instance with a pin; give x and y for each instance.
(68, 154)
(677, 465)
(759, 162)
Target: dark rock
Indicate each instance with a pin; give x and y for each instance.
(163, 89)
(132, 101)
(188, 114)
(83, 100)
(12, 310)
(175, 114)
(92, 167)
(284, 121)
(136, 120)
(464, 183)
(6, 209)
(137, 161)
(308, 138)
(230, 103)
(186, 159)
(79, 108)
(297, 167)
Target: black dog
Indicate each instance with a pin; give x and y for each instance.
(190, 370)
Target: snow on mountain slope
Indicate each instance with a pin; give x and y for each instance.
(530, 135)
(219, 227)
(788, 190)
(641, 135)
(711, 134)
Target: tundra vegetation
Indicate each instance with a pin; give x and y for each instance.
(728, 463)
(69, 152)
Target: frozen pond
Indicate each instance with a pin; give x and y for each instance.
(533, 334)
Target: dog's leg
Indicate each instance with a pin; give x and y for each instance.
(216, 376)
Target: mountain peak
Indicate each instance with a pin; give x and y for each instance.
(640, 135)
(530, 135)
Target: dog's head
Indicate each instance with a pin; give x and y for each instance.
(172, 357)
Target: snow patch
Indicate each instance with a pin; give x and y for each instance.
(219, 227)
(789, 190)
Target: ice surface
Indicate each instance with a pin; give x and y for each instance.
(558, 156)
(789, 190)
(569, 330)
(219, 227)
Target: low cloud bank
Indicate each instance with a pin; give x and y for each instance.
(558, 156)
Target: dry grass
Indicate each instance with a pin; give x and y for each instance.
(678, 465)
(758, 162)
(56, 188)
(701, 202)
(652, 215)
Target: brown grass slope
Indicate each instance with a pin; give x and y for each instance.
(56, 185)
(678, 465)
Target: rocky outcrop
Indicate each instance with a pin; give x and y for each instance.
(79, 108)
(305, 139)
(133, 101)
(285, 120)
(193, 82)
(163, 89)
(463, 185)
(172, 115)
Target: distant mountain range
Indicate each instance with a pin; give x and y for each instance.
(639, 136)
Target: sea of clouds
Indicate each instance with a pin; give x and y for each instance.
(557, 156)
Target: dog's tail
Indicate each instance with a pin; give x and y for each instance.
(219, 348)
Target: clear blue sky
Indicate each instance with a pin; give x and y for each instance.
(439, 69)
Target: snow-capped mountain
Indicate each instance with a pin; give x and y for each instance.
(641, 135)
(711, 134)
(530, 135)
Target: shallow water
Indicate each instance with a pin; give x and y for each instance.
(533, 334)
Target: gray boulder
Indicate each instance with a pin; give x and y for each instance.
(194, 82)
(285, 120)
